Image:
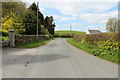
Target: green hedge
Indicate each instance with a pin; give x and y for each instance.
(95, 38)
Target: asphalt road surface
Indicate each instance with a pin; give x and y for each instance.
(57, 59)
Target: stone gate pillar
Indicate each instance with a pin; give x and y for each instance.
(12, 38)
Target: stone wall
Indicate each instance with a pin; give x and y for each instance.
(21, 39)
(4, 43)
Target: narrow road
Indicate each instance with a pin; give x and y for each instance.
(57, 59)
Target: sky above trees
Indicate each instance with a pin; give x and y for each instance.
(81, 14)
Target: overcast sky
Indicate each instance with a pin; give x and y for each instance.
(81, 14)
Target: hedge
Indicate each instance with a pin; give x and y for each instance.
(95, 38)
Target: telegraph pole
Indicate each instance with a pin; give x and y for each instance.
(71, 30)
(37, 19)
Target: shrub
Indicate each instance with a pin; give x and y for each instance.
(106, 54)
(2, 38)
(110, 45)
(4, 33)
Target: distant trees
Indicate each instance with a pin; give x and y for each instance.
(113, 25)
(49, 24)
(24, 20)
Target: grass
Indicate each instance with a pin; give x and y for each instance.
(34, 44)
(83, 46)
(2, 38)
(69, 32)
(104, 54)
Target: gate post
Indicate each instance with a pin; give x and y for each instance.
(12, 38)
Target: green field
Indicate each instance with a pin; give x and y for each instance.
(69, 32)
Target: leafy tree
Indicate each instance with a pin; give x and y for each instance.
(30, 20)
(11, 16)
(33, 7)
(41, 18)
(112, 25)
(13, 23)
(49, 24)
(44, 31)
(8, 8)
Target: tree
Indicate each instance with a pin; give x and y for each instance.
(41, 18)
(13, 23)
(112, 25)
(24, 20)
(49, 24)
(44, 31)
(30, 20)
(11, 16)
(17, 8)
(33, 7)
(53, 28)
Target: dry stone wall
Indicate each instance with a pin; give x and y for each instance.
(21, 39)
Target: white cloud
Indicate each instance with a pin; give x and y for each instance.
(77, 8)
(80, 9)
(62, 19)
(95, 18)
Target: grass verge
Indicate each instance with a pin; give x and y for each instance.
(34, 44)
(83, 46)
(96, 51)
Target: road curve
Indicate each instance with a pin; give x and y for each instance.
(57, 59)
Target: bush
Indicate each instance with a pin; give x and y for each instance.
(96, 52)
(5, 34)
(106, 54)
(2, 38)
(110, 45)
(44, 31)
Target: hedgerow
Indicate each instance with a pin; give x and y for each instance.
(107, 45)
